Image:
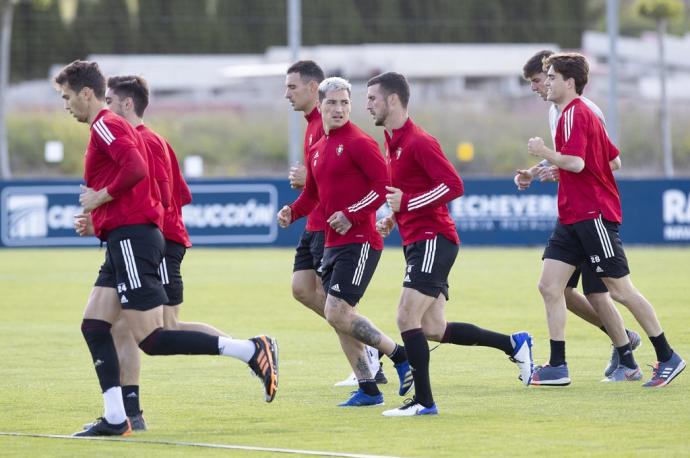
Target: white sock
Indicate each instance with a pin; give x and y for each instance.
(240, 349)
(114, 407)
(373, 359)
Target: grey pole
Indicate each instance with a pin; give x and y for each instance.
(294, 43)
(663, 105)
(612, 10)
(5, 37)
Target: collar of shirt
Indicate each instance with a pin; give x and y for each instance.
(572, 102)
(98, 116)
(315, 113)
(398, 134)
(345, 128)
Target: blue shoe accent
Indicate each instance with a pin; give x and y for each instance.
(551, 375)
(522, 355)
(635, 341)
(405, 376)
(360, 399)
(624, 374)
(663, 373)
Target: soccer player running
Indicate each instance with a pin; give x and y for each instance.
(347, 174)
(589, 215)
(122, 198)
(596, 296)
(302, 90)
(128, 96)
(423, 182)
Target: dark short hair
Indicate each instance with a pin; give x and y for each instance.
(134, 87)
(308, 70)
(570, 65)
(80, 74)
(535, 64)
(393, 83)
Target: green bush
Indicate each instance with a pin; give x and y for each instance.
(236, 142)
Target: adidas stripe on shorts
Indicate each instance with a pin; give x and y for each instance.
(428, 264)
(594, 241)
(132, 262)
(347, 270)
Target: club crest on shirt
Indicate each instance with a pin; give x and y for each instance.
(398, 152)
(339, 150)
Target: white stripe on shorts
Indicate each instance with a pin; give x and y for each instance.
(130, 264)
(429, 255)
(604, 238)
(163, 269)
(361, 264)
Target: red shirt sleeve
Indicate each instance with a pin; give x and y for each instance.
(126, 154)
(308, 198)
(613, 151)
(575, 132)
(179, 183)
(367, 156)
(446, 183)
(160, 169)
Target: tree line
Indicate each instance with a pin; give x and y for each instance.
(47, 32)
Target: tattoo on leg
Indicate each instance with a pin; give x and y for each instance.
(363, 331)
(362, 369)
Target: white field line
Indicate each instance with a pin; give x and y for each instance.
(197, 444)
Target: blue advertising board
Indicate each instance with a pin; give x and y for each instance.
(242, 213)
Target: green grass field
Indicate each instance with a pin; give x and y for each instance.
(49, 386)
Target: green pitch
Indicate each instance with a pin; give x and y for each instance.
(49, 387)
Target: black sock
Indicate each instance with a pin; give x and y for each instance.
(662, 348)
(417, 349)
(130, 396)
(469, 334)
(557, 353)
(161, 342)
(627, 331)
(103, 353)
(398, 356)
(625, 355)
(369, 387)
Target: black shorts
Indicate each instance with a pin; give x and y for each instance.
(347, 270)
(594, 241)
(591, 284)
(132, 259)
(309, 252)
(428, 265)
(170, 271)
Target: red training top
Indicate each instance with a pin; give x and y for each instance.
(174, 190)
(116, 158)
(428, 181)
(347, 173)
(593, 191)
(316, 221)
